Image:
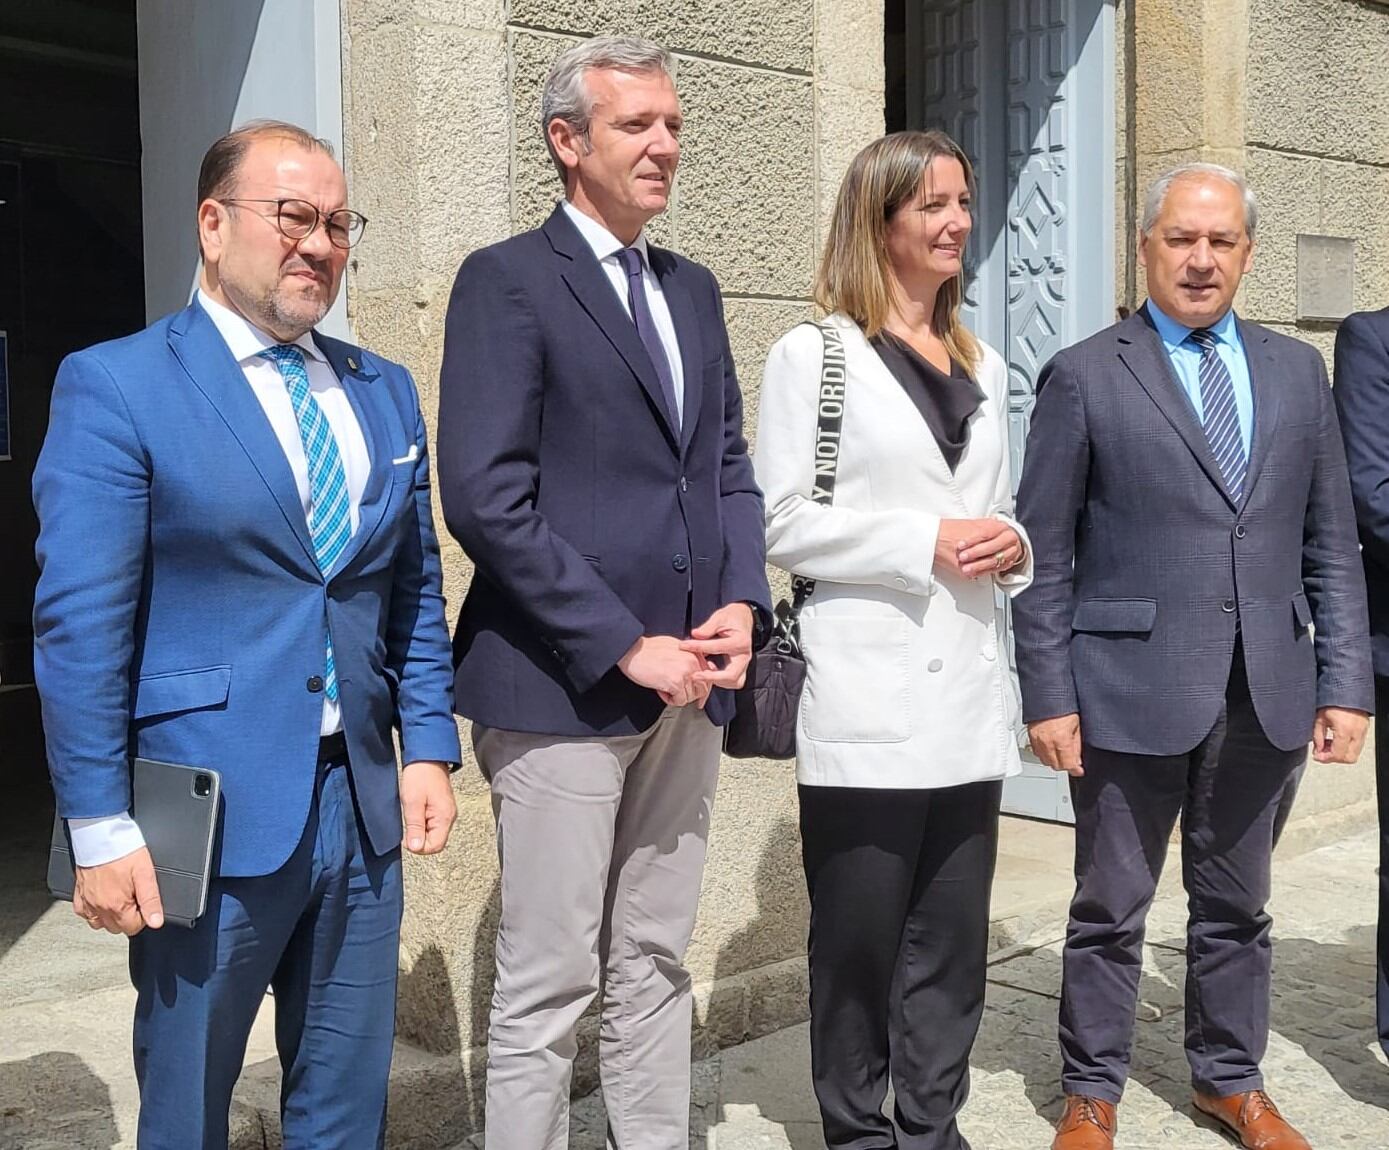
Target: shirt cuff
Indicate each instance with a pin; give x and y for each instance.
(104, 840)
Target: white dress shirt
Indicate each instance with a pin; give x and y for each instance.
(605, 246)
(100, 840)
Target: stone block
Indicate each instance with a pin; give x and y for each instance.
(761, 32)
(380, 132)
(535, 185)
(1289, 192)
(1169, 112)
(1353, 203)
(480, 15)
(1317, 80)
(753, 326)
(462, 170)
(849, 44)
(746, 191)
(767, 33)
(427, 150)
(848, 120)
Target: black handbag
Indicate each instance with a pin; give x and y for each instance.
(767, 704)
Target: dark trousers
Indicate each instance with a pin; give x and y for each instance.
(1233, 792)
(1382, 790)
(899, 886)
(324, 932)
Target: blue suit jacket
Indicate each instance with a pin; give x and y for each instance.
(591, 519)
(1145, 567)
(1362, 400)
(180, 610)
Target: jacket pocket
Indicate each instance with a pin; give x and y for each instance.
(1302, 611)
(858, 680)
(181, 691)
(1132, 616)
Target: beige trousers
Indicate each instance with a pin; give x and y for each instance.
(602, 844)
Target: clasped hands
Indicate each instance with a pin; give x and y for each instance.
(975, 547)
(1337, 737)
(683, 671)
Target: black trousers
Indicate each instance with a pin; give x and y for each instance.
(1382, 791)
(1233, 793)
(899, 886)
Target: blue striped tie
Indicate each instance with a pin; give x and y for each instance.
(330, 513)
(1219, 414)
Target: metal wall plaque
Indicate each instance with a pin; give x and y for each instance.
(1325, 277)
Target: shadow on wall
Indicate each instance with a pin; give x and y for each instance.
(27, 1091)
(447, 1020)
(757, 988)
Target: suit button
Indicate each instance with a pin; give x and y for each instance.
(679, 562)
(1228, 606)
(315, 684)
(1240, 531)
(684, 484)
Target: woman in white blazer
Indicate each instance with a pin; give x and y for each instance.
(909, 720)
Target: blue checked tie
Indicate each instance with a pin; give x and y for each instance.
(1219, 415)
(330, 514)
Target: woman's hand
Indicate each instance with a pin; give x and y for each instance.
(975, 547)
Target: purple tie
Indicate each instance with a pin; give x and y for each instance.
(646, 328)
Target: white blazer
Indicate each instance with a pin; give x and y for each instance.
(907, 680)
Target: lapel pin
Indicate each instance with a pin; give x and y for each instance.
(352, 363)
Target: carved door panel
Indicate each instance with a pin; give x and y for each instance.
(1026, 88)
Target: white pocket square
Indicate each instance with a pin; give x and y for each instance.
(410, 456)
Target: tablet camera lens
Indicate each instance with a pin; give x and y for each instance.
(202, 786)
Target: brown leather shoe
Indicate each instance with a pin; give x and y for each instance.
(1086, 1124)
(1253, 1119)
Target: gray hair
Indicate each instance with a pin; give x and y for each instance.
(1158, 189)
(566, 96)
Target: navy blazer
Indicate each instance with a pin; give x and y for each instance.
(1362, 400)
(591, 520)
(1146, 569)
(180, 609)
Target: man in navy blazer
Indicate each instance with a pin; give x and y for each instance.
(1362, 401)
(239, 572)
(1197, 616)
(592, 464)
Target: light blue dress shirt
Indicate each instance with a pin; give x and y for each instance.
(1186, 362)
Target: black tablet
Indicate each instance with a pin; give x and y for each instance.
(176, 809)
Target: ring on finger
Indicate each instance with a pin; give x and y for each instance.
(998, 559)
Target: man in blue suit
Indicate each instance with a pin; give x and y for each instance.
(592, 463)
(1362, 402)
(239, 572)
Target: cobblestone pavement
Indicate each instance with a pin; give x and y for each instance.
(1323, 1067)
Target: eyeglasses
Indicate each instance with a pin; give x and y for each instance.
(299, 219)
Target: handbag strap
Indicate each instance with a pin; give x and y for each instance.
(829, 421)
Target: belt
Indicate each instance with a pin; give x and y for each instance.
(333, 748)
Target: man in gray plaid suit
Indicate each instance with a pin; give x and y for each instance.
(1197, 615)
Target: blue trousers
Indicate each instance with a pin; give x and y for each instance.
(1233, 793)
(322, 931)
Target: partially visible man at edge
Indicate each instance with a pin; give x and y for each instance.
(1197, 615)
(1362, 401)
(239, 572)
(592, 463)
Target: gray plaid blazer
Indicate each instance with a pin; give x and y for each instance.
(1147, 571)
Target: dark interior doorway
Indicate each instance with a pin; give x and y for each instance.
(71, 274)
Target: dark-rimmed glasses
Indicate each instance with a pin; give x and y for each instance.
(298, 219)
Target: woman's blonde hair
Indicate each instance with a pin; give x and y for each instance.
(854, 276)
